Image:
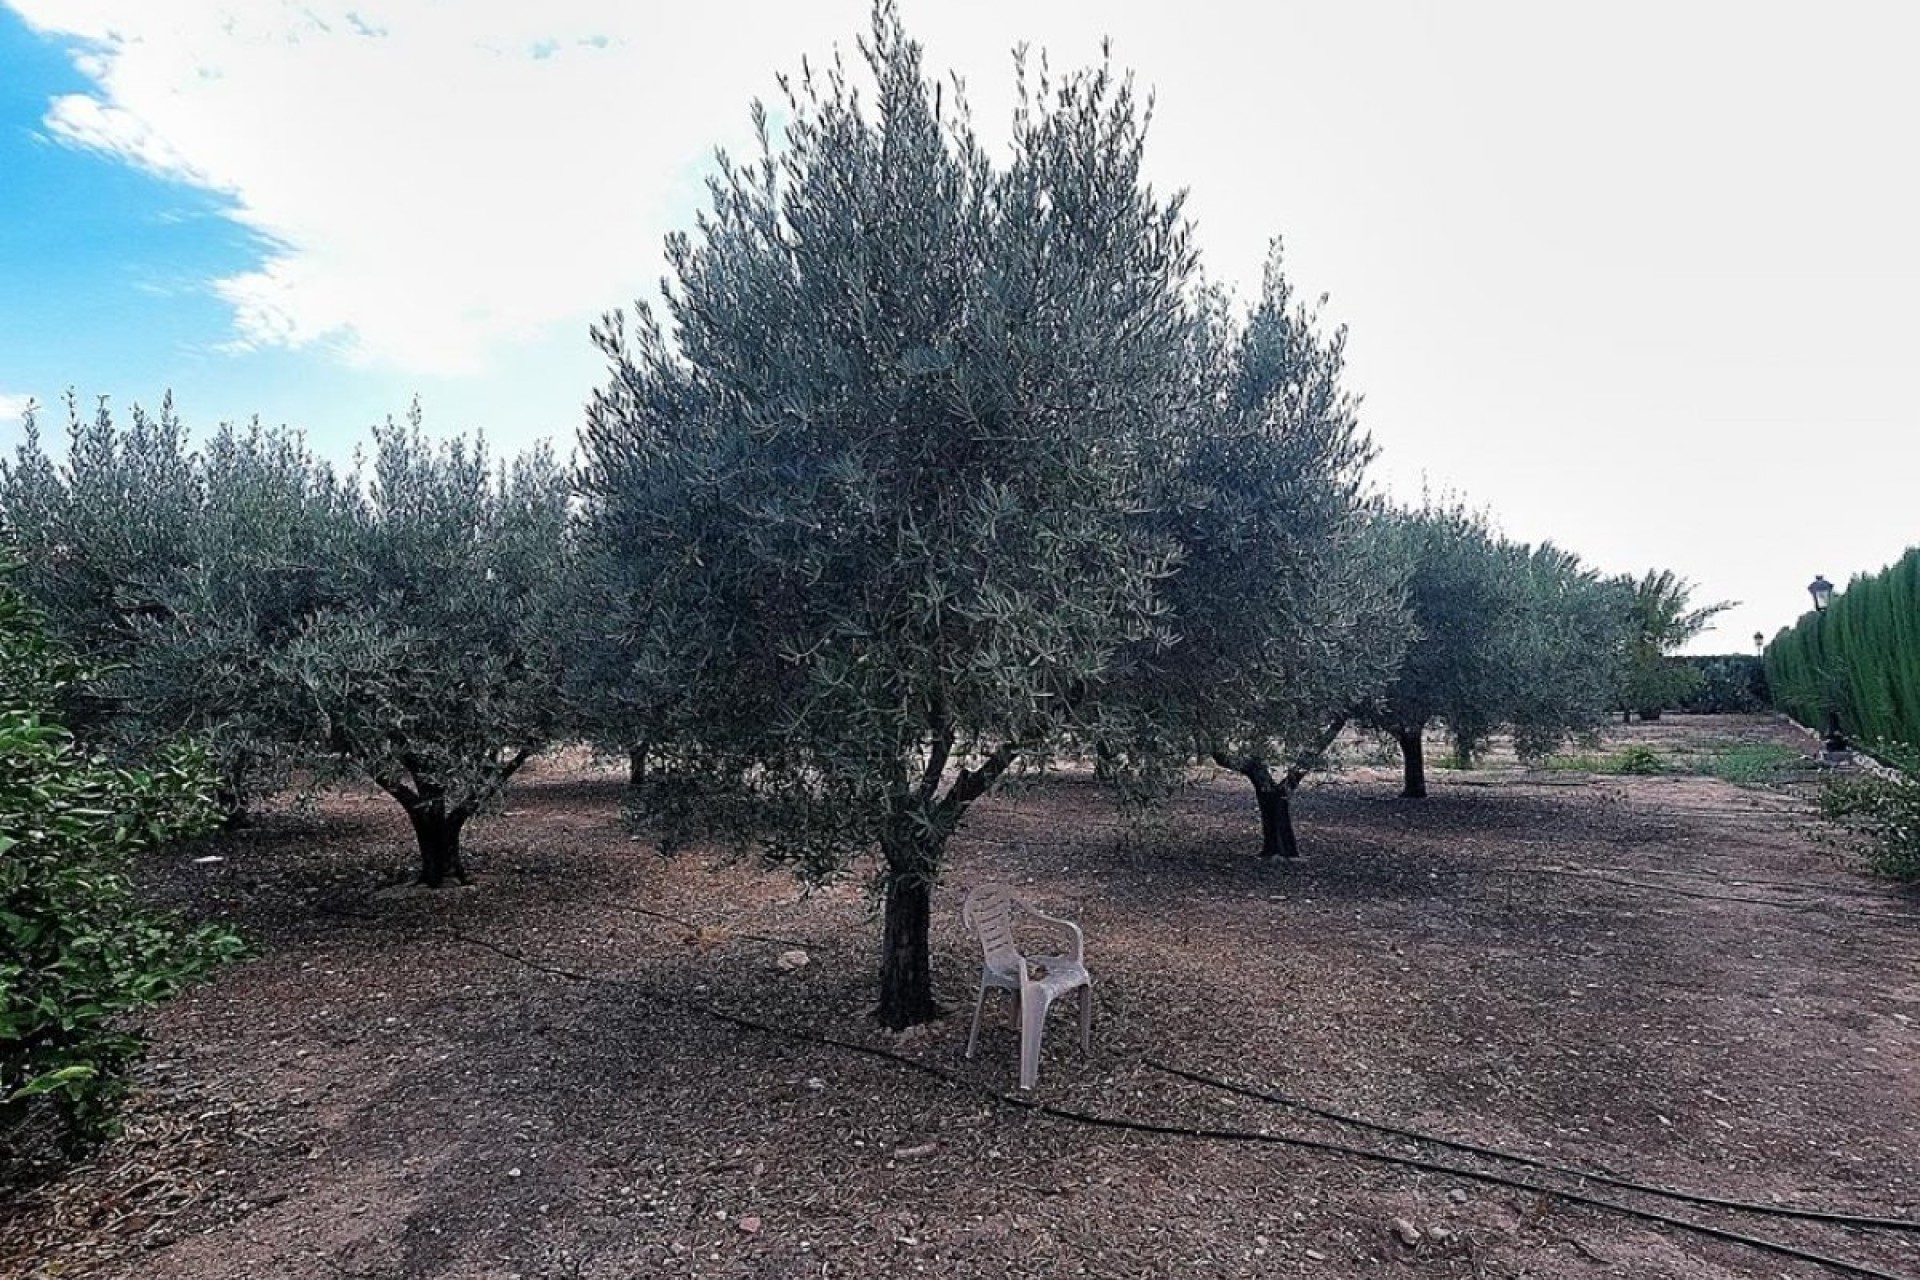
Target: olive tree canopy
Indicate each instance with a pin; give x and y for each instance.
(401, 624)
(1286, 605)
(863, 515)
(1506, 636)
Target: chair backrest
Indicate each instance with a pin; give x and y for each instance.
(988, 913)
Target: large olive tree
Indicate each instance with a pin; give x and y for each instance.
(1286, 607)
(868, 503)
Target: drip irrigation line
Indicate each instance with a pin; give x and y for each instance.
(696, 927)
(1122, 1124)
(1833, 1216)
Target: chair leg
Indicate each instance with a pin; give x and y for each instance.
(1033, 1024)
(1086, 1018)
(979, 1004)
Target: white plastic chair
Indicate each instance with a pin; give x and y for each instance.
(1039, 980)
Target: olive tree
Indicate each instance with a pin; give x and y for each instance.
(400, 624)
(1505, 635)
(435, 669)
(867, 500)
(94, 532)
(1286, 607)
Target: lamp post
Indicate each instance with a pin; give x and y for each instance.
(1822, 592)
(1759, 642)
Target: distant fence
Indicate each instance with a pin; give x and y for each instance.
(1860, 658)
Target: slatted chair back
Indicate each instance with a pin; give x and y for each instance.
(988, 913)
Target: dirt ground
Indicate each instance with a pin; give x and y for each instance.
(1670, 979)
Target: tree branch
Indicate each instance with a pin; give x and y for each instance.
(942, 725)
(1308, 760)
(974, 783)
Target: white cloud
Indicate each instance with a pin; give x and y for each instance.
(433, 183)
(430, 181)
(14, 405)
(1636, 283)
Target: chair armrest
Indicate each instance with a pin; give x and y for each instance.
(1079, 938)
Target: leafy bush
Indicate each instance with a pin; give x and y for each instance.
(1750, 764)
(1883, 811)
(1729, 683)
(77, 953)
(1639, 760)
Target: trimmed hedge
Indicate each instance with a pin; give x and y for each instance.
(1861, 658)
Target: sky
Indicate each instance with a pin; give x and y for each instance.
(1642, 279)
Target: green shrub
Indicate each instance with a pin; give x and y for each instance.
(1859, 660)
(77, 952)
(1884, 812)
(1729, 682)
(1753, 764)
(1638, 759)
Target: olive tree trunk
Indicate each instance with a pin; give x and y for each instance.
(437, 830)
(1413, 751)
(913, 839)
(906, 951)
(1275, 798)
(912, 854)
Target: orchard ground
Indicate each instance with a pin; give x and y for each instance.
(1672, 979)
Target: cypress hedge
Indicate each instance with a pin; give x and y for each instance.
(1861, 658)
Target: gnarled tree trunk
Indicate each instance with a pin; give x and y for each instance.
(906, 953)
(437, 830)
(637, 764)
(1275, 799)
(1413, 751)
(1275, 795)
(912, 841)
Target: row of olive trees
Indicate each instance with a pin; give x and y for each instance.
(934, 466)
(403, 621)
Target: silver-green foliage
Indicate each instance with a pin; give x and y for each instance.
(435, 667)
(1507, 636)
(398, 621)
(868, 502)
(1286, 607)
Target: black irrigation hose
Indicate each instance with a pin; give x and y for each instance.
(1187, 1131)
(1626, 1184)
(695, 926)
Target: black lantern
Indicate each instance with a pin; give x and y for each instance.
(1759, 642)
(1822, 592)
